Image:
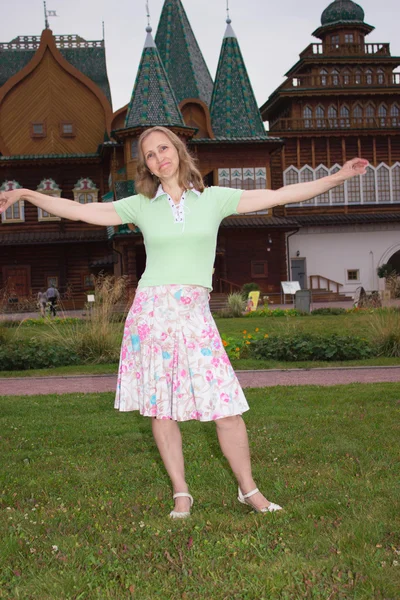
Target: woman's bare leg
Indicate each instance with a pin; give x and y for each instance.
(168, 438)
(232, 437)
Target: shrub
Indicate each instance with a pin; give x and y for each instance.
(236, 304)
(385, 270)
(5, 336)
(247, 288)
(30, 354)
(303, 347)
(385, 327)
(277, 312)
(328, 310)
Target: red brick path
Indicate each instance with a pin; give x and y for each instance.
(28, 386)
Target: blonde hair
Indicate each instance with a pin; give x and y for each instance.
(147, 184)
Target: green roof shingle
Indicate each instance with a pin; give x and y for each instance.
(88, 57)
(153, 101)
(181, 55)
(234, 111)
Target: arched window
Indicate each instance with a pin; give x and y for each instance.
(320, 115)
(307, 114)
(16, 212)
(332, 116)
(382, 114)
(354, 190)
(337, 193)
(85, 191)
(395, 115)
(357, 114)
(381, 76)
(357, 76)
(344, 116)
(396, 182)
(50, 188)
(370, 114)
(236, 178)
(335, 77)
(383, 180)
(307, 174)
(346, 77)
(368, 76)
(323, 73)
(290, 176)
(320, 172)
(368, 186)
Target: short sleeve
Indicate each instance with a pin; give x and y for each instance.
(128, 209)
(228, 200)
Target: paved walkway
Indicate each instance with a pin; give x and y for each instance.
(84, 384)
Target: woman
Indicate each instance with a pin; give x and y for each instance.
(173, 366)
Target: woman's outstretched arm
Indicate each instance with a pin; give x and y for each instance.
(253, 200)
(96, 213)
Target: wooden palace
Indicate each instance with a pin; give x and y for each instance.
(59, 135)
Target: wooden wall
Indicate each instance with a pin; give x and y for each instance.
(50, 94)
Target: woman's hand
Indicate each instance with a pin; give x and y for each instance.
(7, 199)
(351, 168)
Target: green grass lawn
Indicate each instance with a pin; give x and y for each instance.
(85, 499)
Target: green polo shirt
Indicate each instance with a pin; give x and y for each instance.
(182, 251)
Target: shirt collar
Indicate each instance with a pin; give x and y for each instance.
(160, 192)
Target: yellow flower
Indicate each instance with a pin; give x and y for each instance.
(266, 335)
(247, 342)
(237, 349)
(245, 331)
(257, 329)
(225, 343)
(249, 336)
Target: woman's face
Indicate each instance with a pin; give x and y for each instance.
(161, 156)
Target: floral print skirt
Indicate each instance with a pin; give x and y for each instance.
(173, 364)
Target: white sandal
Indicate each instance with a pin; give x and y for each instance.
(243, 499)
(181, 515)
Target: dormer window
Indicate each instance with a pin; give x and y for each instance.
(349, 38)
(67, 129)
(38, 129)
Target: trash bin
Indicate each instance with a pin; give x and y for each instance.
(303, 300)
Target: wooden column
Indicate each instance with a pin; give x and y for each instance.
(374, 150)
(390, 150)
(298, 154)
(344, 150)
(313, 152)
(328, 154)
(359, 147)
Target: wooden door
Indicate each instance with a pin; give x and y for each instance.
(17, 281)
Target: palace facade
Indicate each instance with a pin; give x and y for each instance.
(59, 135)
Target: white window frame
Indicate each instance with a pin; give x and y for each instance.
(20, 204)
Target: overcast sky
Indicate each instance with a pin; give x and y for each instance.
(271, 34)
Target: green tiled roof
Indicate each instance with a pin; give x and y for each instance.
(342, 10)
(234, 111)
(91, 61)
(236, 140)
(47, 156)
(181, 55)
(153, 101)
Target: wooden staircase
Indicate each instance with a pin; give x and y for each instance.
(218, 301)
(330, 293)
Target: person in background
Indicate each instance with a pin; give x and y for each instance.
(42, 301)
(52, 296)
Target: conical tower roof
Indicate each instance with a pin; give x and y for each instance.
(234, 111)
(181, 55)
(153, 101)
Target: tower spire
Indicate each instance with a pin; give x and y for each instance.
(234, 111)
(153, 101)
(181, 55)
